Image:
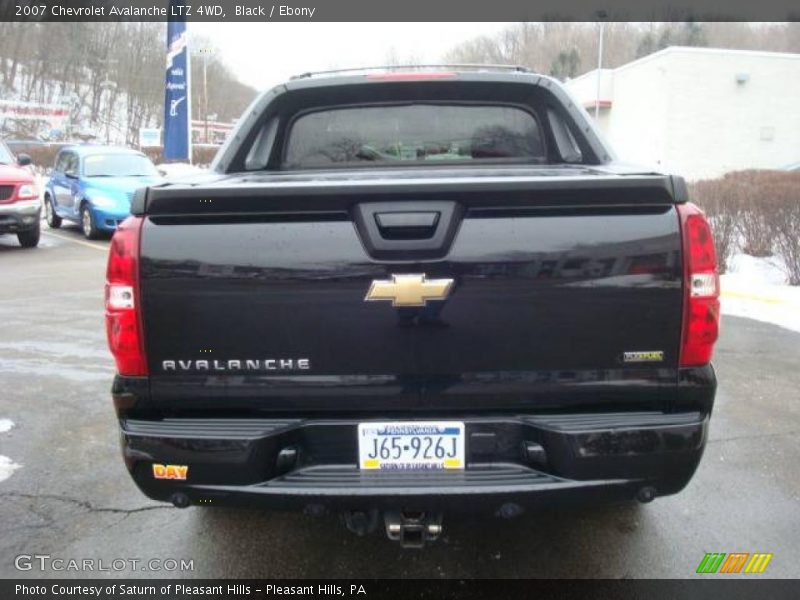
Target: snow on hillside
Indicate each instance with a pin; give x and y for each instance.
(103, 122)
(756, 288)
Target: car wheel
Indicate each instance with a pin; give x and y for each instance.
(30, 238)
(87, 223)
(53, 220)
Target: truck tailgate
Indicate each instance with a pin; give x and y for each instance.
(259, 302)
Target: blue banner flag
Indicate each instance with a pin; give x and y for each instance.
(177, 95)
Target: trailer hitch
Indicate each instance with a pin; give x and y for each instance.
(412, 528)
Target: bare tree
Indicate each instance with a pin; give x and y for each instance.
(555, 47)
(109, 74)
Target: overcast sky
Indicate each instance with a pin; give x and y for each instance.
(264, 54)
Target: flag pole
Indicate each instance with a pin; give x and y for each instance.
(188, 101)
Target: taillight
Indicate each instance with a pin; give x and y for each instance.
(123, 308)
(701, 285)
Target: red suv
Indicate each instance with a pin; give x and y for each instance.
(20, 206)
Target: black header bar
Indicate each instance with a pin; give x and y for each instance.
(734, 588)
(399, 10)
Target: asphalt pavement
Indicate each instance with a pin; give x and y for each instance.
(67, 494)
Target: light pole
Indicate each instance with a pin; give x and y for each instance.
(109, 85)
(601, 15)
(205, 52)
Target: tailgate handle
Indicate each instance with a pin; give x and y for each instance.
(415, 225)
(421, 229)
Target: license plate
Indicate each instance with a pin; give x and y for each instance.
(401, 445)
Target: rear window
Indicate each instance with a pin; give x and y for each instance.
(383, 135)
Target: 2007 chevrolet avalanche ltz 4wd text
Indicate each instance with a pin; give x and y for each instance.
(400, 293)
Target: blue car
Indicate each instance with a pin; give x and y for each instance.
(94, 185)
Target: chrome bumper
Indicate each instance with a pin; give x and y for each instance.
(21, 207)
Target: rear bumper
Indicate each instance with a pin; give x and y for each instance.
(523, 459)
(22, 215)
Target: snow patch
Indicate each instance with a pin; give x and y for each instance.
(173, 170)
(6, 425)
(756, 288)
(7, 467)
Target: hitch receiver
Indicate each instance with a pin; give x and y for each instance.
(412, 528)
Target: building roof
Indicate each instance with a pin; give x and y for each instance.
(584, 86)
(692, 50)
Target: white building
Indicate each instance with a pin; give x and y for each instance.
(699, 112)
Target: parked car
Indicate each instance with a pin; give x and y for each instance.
(400, 294)
(20, 207)
(17, 146)
(93, 186)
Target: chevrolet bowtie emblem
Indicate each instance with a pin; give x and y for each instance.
(409, 290)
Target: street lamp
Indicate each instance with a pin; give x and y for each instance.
(601, 14)
(205, 52)
(110, 86)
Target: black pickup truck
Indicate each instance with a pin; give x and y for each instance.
(402, 293)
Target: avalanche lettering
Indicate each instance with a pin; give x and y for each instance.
(138, 11)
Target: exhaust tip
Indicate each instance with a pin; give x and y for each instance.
(179, 500)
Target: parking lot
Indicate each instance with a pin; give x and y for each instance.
(68, 495)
